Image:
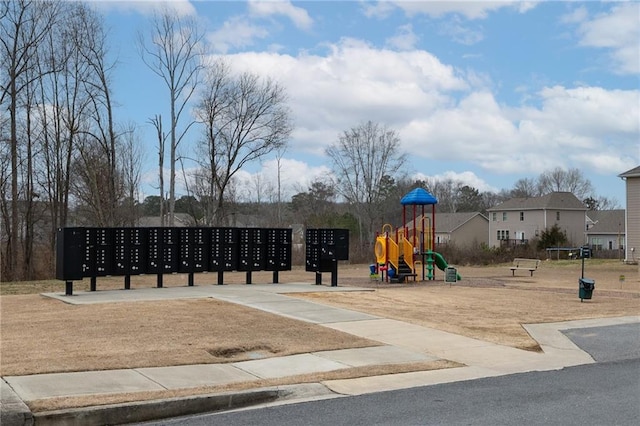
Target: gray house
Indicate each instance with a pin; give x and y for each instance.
(632, 217)
(518, 220)
(605, 229)
(462, 229)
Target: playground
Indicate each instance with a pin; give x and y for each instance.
(407, 252)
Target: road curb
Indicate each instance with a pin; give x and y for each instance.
(13, 411)
(171, 407)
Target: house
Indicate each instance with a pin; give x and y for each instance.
(632, 216)
(518, 220)
(462, 229)
(605, 229)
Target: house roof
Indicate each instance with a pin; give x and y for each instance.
(552, 201)
(605, 221)
(635, 172)
(449, 222)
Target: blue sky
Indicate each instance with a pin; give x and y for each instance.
(481, 92)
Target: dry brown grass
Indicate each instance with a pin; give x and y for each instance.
(40, 335)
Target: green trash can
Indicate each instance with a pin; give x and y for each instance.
(586, 286)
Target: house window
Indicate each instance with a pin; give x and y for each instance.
(504, 216)
(502, 234)
(521, 216)
(557, 215)
(596, 243)
(494, 216)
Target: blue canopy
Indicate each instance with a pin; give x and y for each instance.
(418, 197)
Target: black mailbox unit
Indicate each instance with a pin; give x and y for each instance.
(278, 251)
(69, 256)
(224, 251)
(129, 253)
(154, 251)
(324, 248)
(251, 250)
(194, 251)
(104, 245)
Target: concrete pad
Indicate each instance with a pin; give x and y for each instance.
(364, 385)
(41, 386)
(406, 335)
(285, 306)
(247, 298)
(133, 295)
(375, 355)
(192, 376)
(293, 365)
(330, 315)
(313, 288)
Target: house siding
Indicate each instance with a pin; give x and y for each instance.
(472, 233)
(540, 214)
(633, 219)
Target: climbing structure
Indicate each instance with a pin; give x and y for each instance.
(405, 251)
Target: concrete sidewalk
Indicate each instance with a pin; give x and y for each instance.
(400, 343)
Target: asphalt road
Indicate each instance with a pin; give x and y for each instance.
(605, 393)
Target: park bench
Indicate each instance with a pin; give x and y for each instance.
(529, 264)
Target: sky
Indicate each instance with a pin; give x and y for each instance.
(481, 92)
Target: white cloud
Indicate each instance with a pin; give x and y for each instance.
(237, 32)
(297, 15)
(405, 38)
(295, 176)
(572, 128)
(145, 7)
(442, 114)
(618, 31)
(576, 16)
(466, 178)
(332, 93)
(470, 9)
(461, 33)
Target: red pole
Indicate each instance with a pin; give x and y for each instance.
(414, 224)
(433, 226)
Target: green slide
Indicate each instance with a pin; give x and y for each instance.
(441, 263)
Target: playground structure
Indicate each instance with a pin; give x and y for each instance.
(407, 252)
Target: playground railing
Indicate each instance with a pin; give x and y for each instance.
(394, 253)
(407, 253)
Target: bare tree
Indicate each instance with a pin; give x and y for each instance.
(245, 118)
(173, 53)
(525, 188)
(363, 158)
(130, 165)
(23, 26)
(162, 139)
(279, 154)
(560, 180)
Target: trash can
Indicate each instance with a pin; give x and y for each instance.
(586, 286)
